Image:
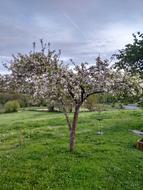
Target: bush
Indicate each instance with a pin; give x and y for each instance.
(94, 101)
(91, 102)
(11, 106)
(21, 98)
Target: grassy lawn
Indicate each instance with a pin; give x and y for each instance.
(42, 162)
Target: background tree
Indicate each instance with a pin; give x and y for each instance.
(125, 88)
(131, 57)
(91, 102)
(8, 92)
(94, 101)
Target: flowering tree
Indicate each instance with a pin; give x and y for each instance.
(125, 87)
(6, 83)
(43, 75)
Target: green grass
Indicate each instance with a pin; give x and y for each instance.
(43, 162)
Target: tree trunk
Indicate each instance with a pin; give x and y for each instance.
(51, 108)
(73, 129)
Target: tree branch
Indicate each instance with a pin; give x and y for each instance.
(71, 94)
(66, 115)
(82, 93)
(94, 92)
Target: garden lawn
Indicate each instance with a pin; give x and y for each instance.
(34, 152)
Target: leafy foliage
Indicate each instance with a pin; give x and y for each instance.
(131, 57)
(11, 106)
(22, 99)
(90, 103)
(94, 101)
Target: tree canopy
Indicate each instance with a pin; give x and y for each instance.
(44, 76)
(131, 57)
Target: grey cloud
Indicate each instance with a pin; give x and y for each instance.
(81, 28)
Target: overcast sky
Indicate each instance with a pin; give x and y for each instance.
(80, 28)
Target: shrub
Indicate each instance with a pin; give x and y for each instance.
(90, 103)
(95, 101)
(10, 96)
(11, 106)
